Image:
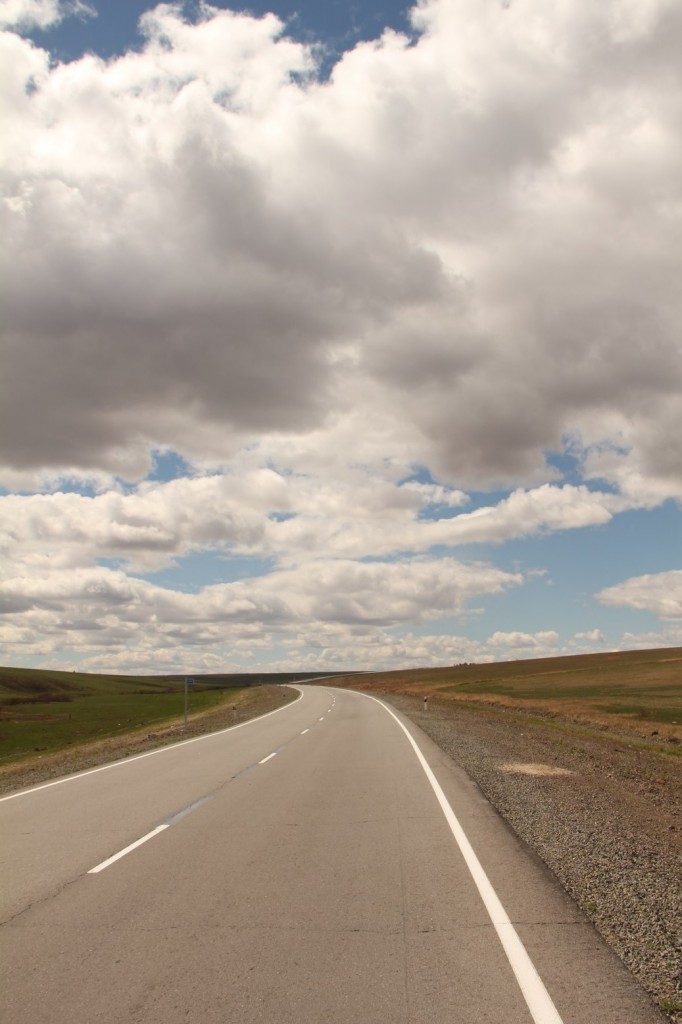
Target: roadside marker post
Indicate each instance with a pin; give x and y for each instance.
(188, 682)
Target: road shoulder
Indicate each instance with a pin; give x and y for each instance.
(602, 816)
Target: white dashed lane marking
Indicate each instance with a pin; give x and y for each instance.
(150, 835)
(183, 813)
(128, 849)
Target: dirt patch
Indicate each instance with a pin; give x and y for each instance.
(534, 769)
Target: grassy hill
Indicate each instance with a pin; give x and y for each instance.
(638, 692)
(49, 711)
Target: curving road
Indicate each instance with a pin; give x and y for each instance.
(314, 865)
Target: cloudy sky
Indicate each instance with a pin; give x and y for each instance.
(339, 335)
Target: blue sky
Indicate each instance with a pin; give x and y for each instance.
(335, 25)
(345, 341)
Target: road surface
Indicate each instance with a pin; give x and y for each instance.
(313, 865)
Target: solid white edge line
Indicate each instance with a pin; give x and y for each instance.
(538, 999)
(149, 753)
(268, 757)
(128, 849)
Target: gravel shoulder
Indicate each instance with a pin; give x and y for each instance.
(604, 816)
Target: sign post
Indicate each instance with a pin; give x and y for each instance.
(188, 682)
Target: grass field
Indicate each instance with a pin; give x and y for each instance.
(635, 692)
(49, 711)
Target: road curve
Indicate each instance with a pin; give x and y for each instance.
(314, 865)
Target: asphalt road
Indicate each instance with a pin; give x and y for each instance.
(300, 868)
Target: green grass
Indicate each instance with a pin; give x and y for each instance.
(51, 711)
(50, 727)
(671, 1005)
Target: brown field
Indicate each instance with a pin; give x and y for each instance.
(636, 694)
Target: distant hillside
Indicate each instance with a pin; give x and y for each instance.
(634, 691)
(21, 685)
(45, 711)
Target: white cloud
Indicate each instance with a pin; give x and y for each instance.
(460, 253)
(517, 639)
(590, 636)
(659, 593)
(25, 14)
(148, 528)
(291, 518)
(652, 640)
(102, 611)
(471, 241)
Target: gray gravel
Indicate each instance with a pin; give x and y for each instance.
(611, 830)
